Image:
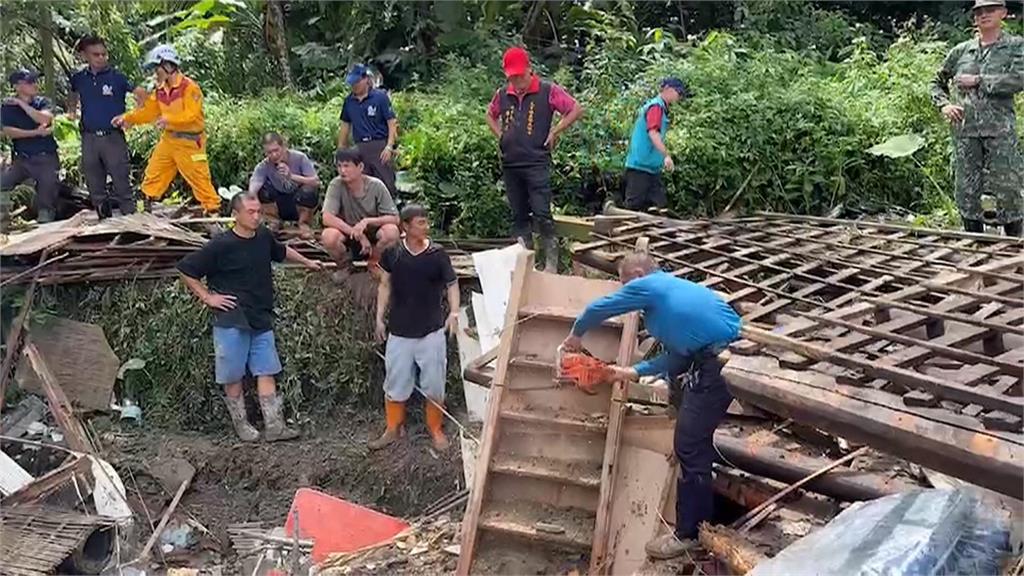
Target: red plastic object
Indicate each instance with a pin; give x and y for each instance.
(335, 525)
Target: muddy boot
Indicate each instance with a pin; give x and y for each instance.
(273, 421)
(550, 254)
(668, 546)
(236, 408)
(435, 424)
(394, 412)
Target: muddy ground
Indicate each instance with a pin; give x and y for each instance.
(237, 482)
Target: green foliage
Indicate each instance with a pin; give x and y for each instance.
(323, 336)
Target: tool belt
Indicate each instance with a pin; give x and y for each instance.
(689, 378)
(193, 136)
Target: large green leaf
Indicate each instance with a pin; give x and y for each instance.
(898, 146)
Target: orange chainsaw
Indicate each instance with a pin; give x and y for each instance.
(582, 369)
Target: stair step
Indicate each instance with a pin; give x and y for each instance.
(584, 474)
(571, 421)
(521, 519)
(559, 313)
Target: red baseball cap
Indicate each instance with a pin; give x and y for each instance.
(516, 61)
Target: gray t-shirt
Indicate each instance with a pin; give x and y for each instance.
(266, 171)
(375, 201)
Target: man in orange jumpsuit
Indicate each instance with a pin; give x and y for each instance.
(176, 107)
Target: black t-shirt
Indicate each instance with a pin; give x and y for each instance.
(240, 267)
(418, 283)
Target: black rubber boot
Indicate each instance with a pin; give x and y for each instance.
(1014, 229)
(974, 225)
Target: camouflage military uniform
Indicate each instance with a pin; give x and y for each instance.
(988, 156)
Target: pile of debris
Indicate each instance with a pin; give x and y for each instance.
(143, 246)
(878, 360)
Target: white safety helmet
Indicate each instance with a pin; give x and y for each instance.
(159, 55)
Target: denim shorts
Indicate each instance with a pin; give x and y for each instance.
(237, 348)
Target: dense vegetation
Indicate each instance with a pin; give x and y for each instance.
(789, 96)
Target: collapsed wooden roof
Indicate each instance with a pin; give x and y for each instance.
(908, 339)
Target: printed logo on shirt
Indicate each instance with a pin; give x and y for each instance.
(108, 90)
(371, 110)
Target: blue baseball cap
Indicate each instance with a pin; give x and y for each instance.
(23, 75)
(357, 73)
(676, 84)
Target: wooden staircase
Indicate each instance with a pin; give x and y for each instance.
(540, 502)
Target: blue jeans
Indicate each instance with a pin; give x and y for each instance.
(236, 348)
(704, 402)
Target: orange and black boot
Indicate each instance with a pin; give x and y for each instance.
(435, 424)
(395, 415)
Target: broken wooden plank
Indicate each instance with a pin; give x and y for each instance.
(731, 547)
(168, 512)
(930, 437)
(80, 359)
(76, 469)
(939, 387)
(60, 406)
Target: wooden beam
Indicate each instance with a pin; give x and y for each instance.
(910, 378)
(613, 438)
(524, 266)
(986, 458)
(60, 406)
(1009, 368)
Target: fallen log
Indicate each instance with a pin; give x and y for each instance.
(655, 433)
(730, 547)
(787, 466)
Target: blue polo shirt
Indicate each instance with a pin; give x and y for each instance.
(101, 95)
(369, 116)
(12, 115)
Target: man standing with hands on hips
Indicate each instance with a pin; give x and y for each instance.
(987, 71)
(239, 290)
(648, 155)
(101, 90)
(521, 115)
(368, 118)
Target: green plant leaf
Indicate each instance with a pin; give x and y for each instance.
(898, 146)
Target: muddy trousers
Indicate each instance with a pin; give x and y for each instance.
(992, 166)
(181, 155)
(703, 407)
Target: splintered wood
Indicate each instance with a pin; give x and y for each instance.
(908, 339)
(541, 498)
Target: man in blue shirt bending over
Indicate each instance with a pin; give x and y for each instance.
(693, 325)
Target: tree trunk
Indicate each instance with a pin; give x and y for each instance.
(274, 36)
(46, 42)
